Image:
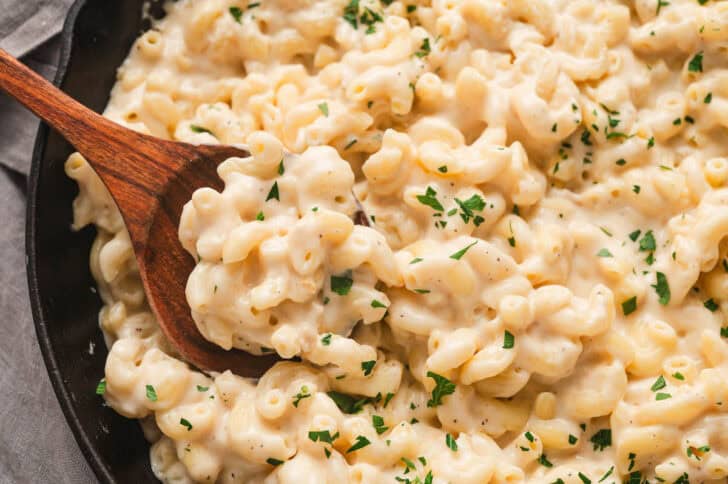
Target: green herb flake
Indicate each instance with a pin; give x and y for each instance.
(273, 193)
(629, 306)
(607, 474)
(662, 288)
(324, 108)
(360, 443)
(303, 393)
(425, 48)
(326, 340)
(450, 442)
(636, 189)
(459, 254)
(101, 387)
(543, 460)
(151, 393)
(604, 253)
(443, 387)
(724, 332)
(651, 142)
(621, 162)
(199, 129)
(416, 260)
(442, 169)
(350, 13)
(708, 98)
(322, 436)
(274, 462)
(411, 8)
(633, 236)
(696, 63)
(662, 396)
(711, 305)
(647, 242)
(508, 340)
(573, 439)
(341, 285)
(368, 366)
(378, 304)
(678, 376)
(260, 216)
(430, 199)
(601, 439)
(237, 13)
(202, 389)
(659, 384)
(185, 423)
(584, 478)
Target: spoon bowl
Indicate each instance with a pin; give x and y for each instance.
(150, 179)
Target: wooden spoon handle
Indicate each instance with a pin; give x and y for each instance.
(78, 124)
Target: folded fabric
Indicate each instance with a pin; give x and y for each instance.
(26, 24)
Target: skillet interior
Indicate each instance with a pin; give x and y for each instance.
(97, 37)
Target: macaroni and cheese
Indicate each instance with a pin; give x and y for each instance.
(539, 293)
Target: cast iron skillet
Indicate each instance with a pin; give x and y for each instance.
(96, 38)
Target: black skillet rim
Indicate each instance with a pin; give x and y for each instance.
(39, 318)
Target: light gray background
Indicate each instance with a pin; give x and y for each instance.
(36, 444)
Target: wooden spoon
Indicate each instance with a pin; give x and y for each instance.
(150, 180)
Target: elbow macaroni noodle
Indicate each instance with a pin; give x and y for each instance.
(540, 293)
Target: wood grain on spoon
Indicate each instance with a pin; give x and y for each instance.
(150, 179)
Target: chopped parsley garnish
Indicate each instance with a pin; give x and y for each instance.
(185, 423)
(322, 436)
(711, 305)
(459, 254)
(450, 442)
(236, 12)
(416, 260)
(347, 403)
(378, 304)
(678, 376)
(474, 203)
(274, 462)
(696, 63)
(659, 384)
(260, 216)
(341, 285)
(151, 393)
(606, 231)
(508, 340)
(573, 439)
(101, 387)
(647, 242)
(388, 398)
(350, 144)
(430, 199)
(629, 306)
(708, 98)
(253, 5)
(636, 189)
(443, 387)
(697, 452)
(621, 162)
(368, 366)
(543, 460)
(360, 443)
(202, 389)
(301, 395)
(662, 288)
(724, 332)
(408, 465)
(199, 129)
(281, 167)
(584, 479)
(529, 436)
(660, 4)
(633, 236)
(326, 340)
(604, 253)
(585, 137)
(601, 439)
(662, 396)
(442, 169)
(607, 474)
(324, 108)
(650, 142)
(411, 8)
(425, 48)
(273, 193)
(350, 13)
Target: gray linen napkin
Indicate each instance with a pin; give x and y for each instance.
(36, 445)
